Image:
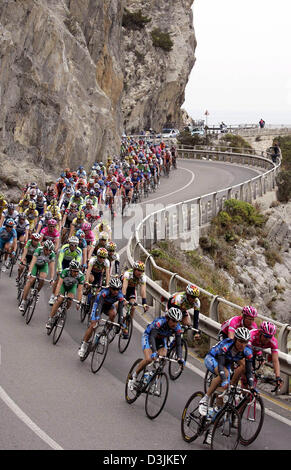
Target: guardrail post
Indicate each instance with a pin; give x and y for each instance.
(282, 344)
(213, 309)
(149, 273)
(173, 284)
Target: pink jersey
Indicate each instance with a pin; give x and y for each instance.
(50, 235)
(255, 341)
(89, 236)
(233, 323)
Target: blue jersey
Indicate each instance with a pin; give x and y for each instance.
(161, 325)
(6, 236)
(225, 348)
(105, 297)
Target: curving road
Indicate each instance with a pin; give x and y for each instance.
(50, 400)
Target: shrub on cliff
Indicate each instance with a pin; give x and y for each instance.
(283, 181)
(237, 142)
(162, 39)
(134, 20)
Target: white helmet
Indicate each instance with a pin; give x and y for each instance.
(174, 313)
(242, 333)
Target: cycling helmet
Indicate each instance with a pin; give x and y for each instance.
(32, 205)
(36, 236)
(49, 245)
(111, 246)
(92, 193)
(81, 215)
(78, 194)
(10, 206)
(115, 283)
(250, 311)
(174, 314)
(32, 192)
(86, 226)
(102, 252)
(139, 265)
(52, 222)
(242, 333)
(74, 241)
(89, 201)
(74, 265)
(267, 328)
(73, 206)
(80, 234)
(9, 223)
(54, 201)
(48, 215)
(192, 290)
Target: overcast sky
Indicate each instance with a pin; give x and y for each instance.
(243, 62)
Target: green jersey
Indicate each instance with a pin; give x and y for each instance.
(67, 255)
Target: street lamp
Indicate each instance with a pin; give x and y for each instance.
(206, 126)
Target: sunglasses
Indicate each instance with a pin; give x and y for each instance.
(267, 336)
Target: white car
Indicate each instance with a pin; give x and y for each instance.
(167, 133)
(198, 130)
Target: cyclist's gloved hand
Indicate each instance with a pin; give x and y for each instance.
(254, 391)
(279, 380)
(154, 355)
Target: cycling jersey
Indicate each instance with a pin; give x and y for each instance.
(31, 216)
(159, 331)
(6, 237)
(224, 354)
(42, 258)
(71, 283)
(233, 323)
(66, 256)
(21, 228)
(105, 301)
(98, 266)
(31, 249)
(256, 342)
(179, 300)
(7, 215)
(47, 235)
(134, 281)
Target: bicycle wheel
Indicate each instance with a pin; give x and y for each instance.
(111, 333)
(175, 370)
(208, 379)
(59, 325)
(99, 352)
(252, 414)
(30, 309)
(124, 342)
(157, 394)
(132, 395)
(226, 429)
(192, 423)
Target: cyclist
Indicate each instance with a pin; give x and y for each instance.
(77, 223)
(101, 240)
(43, 260)
(220, 359)
(131, 280)
(71, 282)
(28, 251)
(22, 229)
(154, 340)
(67, 253)
(185, 301)
(105, 303)
(246, 318)
(41, 204)
(3, 204)
(8, 241)
(9, 213)
(32, 216)
(51, 233)
(114, 258)
(98, 266)
(264, 337)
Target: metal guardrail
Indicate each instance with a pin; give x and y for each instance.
(160, 224)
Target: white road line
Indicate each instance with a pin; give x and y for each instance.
(177, 190)
(26, 420)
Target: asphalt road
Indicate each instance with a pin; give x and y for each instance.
(50, 400)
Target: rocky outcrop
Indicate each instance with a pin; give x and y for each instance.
(267, 285)
(155, 80)
(71, 81)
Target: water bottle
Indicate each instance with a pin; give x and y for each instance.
(147, 377)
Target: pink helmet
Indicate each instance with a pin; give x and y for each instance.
(86, 226)
(250, 311)
(52, 222)
(268, 328)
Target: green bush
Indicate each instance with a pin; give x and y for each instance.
(237, 142)
(134, 20)
(162, 39)
(246, 212)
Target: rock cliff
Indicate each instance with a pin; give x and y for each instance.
(73, 78)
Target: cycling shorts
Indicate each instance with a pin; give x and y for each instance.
(3, 243)
(105, 309)
(211, 363)
(130, 293)
(146, 344)
(68, 290)
(37, 269)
